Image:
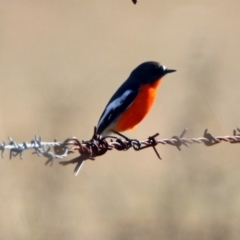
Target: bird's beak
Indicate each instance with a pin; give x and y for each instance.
(169, 71)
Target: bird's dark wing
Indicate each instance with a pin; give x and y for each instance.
(119, 102)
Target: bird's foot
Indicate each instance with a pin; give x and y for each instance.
(135, 143)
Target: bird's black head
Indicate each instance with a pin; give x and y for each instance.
(149, 72)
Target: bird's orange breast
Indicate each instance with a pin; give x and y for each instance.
(139, 108)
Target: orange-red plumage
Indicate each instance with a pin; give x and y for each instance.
(139, 108)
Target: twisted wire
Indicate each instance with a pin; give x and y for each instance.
(99, 145)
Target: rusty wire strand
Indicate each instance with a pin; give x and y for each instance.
(99, 145)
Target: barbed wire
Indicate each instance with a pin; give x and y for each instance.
(40, 148)
(99, 145)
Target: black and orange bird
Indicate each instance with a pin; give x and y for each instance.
(133, 99)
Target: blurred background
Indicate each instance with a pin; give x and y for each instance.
(60, 62)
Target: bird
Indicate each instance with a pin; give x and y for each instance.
(133, 99)
(131, 102)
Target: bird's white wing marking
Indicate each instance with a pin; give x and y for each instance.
(113, 105)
